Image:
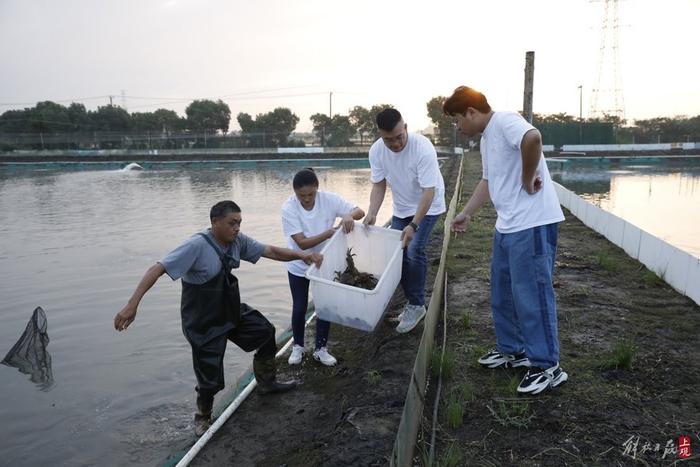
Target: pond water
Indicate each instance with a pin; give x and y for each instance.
(76, 239)
(658, 194)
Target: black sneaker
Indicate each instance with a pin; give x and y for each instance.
(495, 359)
(537, 380)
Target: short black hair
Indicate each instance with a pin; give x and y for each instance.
(223, 209)
(388, 118)
(305, 177)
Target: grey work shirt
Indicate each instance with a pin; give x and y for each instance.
(196, 262)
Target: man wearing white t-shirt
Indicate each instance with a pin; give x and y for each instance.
(516, 180)
(408, 162)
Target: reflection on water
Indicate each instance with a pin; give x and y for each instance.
(30, 355)
(76, 240)
(662, 198)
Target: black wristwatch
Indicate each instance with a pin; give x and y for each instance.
(415, 227)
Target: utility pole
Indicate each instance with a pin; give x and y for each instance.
(580, 102)
(330, 105)
(529, 82)
(110, 101)
(580, 114)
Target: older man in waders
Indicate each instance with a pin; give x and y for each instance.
(211, 308)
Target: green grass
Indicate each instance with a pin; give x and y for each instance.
(650, 279)
(452, 457)
(477, 352)
(459, 397)
(464, 391)
(374, 377)
(444, 363)
(455, 411)
(506, 385)
(607, 262)
(513, 413)
(621, 357)
(466, 320)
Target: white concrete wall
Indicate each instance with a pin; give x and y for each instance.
(629, 147)
(679, 269)
(303, 150)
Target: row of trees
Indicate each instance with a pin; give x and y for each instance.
(275, 128)
(271, 129)
(51, 118)
(653, 130)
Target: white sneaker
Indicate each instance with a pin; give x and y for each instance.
(411, 317)
(400, 317)
(537, 380)
(297, 353)
(322, 355)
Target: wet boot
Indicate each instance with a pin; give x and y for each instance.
(202, 419)
(265, 371)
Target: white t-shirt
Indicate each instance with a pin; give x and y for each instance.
(408, 172)
(503, 168)
(296, 219)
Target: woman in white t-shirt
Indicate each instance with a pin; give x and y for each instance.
(308, 219)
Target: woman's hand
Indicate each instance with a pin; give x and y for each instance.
(347, 223)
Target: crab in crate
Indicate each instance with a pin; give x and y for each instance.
(351, 276)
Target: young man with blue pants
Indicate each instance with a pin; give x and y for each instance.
(408, 163)
(516, 180)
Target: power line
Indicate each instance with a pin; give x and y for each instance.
(161, 98)
(278, 96)
(35, 120)
(56, 101)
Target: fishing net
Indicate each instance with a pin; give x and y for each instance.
(29, 354)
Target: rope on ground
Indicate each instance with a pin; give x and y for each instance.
(436, 404)
(402, 454)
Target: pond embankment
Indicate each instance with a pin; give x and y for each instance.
(627, 342)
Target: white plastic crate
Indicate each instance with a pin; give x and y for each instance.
(378, 252)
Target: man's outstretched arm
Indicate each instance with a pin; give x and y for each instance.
(285, 254)
(461, 221)
(128, 314)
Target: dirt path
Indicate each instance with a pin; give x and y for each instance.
(345, 415)
(611, 310)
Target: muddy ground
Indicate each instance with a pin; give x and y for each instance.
(610, 308)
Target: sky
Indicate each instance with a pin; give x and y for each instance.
(257, 55)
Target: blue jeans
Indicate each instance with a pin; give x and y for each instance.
(300, 302)
(415, 261)
(522, 296)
